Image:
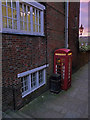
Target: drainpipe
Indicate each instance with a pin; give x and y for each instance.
(66, 24)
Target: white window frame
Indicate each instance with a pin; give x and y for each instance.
(0, 17)
(23, 82)
(35, 5)
(38, 85)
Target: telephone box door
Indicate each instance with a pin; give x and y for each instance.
(59, 68)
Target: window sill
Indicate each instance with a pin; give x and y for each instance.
(23, 33)
(32, 71)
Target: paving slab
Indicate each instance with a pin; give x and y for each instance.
(72, 103)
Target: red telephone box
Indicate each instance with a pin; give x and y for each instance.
(63, 66)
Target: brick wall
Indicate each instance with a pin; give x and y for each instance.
(79, 58)
(84, 57)
(55, 16)
(74, 31)
(7, 98)
(19, 54)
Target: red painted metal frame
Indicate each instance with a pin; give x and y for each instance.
(66, 82)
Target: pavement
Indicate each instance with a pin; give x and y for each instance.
(72, 103)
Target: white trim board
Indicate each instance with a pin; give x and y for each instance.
(32, 71)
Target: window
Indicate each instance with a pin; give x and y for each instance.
(40, 76)
(9, 15)
(24, 82)
(23, 17)
(32, 79)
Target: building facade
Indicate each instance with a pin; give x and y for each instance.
(31, 32)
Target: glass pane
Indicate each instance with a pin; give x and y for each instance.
(41, 76)
(25, 83)
(14, 13)
(9, 12)
(25, 78)
(29, 26)
(36, 13)
(22, 84)
(22, 90)
(21, 7)
(14, 4)
(15, 24)
(21, 79)
(39, 18)
(10, 23)
(21, 15)
(21, 25)
(3, 11)
(33, 19)
(3, 3)
(28, 17)
(28, 13)
(4, 22)
(34, 76)
(9, 4)
(26, 88)
(25, 26)
(33, 11)
(36, 20)
(33, 84)
(34, 27)
(39, 21)
(24, 8)
(33, 80)
(25, 17)
(28, 9)
(39, 28)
